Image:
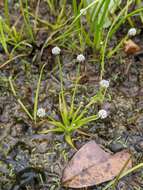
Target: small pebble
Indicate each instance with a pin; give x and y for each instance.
(116, 147)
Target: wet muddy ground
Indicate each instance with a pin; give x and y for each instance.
(35, 161)
(29, 160)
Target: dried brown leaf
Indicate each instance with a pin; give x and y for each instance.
(131, 47)
(91, 165)
(1, 3)
(88, 155)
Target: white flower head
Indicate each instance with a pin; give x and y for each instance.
(16, 6)
(80, 58)
(56, 50)
(132, 32)
(101, 43)
(104, 83)
(102, 114)
(41, 112)
(83, 11)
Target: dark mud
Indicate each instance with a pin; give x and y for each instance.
(29, 160)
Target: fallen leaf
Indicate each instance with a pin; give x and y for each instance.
(131, 47)
(1, 3)
(88, 155)
(91, 165)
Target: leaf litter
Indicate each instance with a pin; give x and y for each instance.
(131, 47)
(91, 165)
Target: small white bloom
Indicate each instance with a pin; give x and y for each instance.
(83, 11)
(101, 43)
(81, 103)
(16, 6)
(102, 114)
(56, 50)
(41, 112)
(104, 83)
(132, 32)
(80, 58)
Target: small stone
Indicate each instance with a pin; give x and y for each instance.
(116, 147)
(122, 186)
(43, 147)
(16, 130)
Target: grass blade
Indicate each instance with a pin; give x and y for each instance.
(25, 14)
(6, 12)
(62, 102)
(84, 121)
(69, 141)
(37, 94)
(3, 37)
(74, 93)
(51, 130)
(12, 59)
(19, 101)
(135, 168)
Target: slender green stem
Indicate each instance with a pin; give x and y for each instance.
(112, 52)
(37, 94)
(12, 87)
(135, 168)
(12, 59)
(3, 37)
(62, 102)
(25, 109)
(98, 32)
(6, 12)
(25, 13)
(120, 173)
(59, 19)
(74, 4)
(51, 6)
(139, 3)
(36, 16)
(74, 93)
(109, 35)
(19, 101)
(60, 71)
(78, 16)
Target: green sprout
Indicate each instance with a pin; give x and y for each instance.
(72, 117)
